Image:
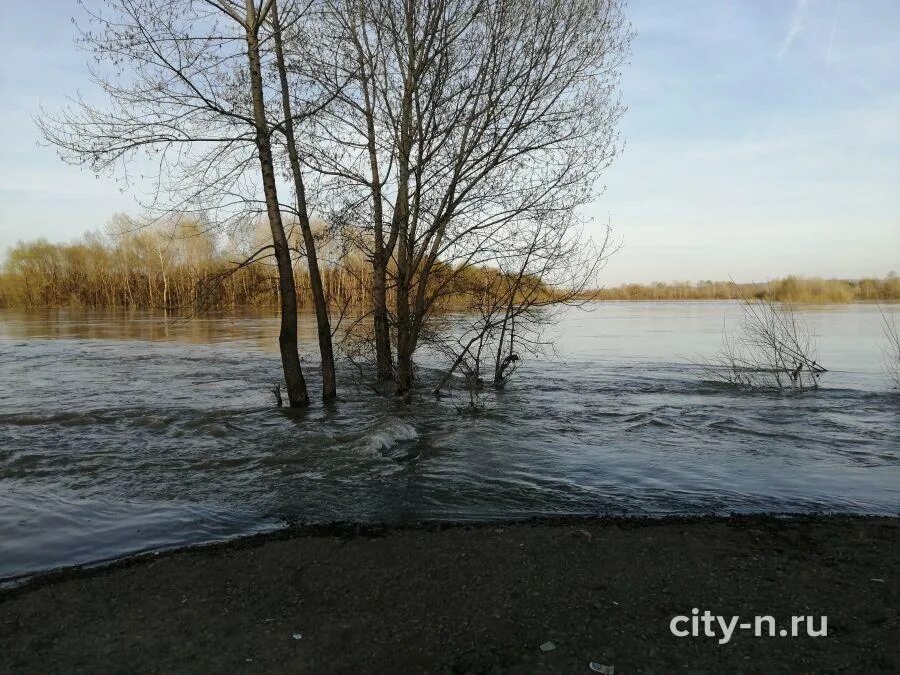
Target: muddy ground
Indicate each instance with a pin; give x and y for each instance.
(475, 599)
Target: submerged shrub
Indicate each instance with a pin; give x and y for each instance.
(774, 349)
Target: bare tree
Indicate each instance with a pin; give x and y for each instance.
(186, 84)
(509, 306)
(453, 122)
(891, 347)
(775, 348)
(329, 386)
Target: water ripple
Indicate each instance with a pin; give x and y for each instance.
(113, 445)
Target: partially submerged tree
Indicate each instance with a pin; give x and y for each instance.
(438, 131)
(320, 303)
(186, 83)
(509, 306)
(453, 123)
(891, 347)
(774, 348)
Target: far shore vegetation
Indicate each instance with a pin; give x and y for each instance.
(149, 269)
(182, 266)
(792, 289)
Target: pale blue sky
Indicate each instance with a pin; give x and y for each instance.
(763, 138)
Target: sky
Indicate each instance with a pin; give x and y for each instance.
(762, 139)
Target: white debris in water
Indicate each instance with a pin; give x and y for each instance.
(389, 432)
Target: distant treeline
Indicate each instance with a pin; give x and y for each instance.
(184, 267)
(148, 268)
(790, 289)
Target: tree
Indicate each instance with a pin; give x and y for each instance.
(186, 84)
(453, 123)
(774, 348)
(891, 347)
(509, 306)
(329, 387)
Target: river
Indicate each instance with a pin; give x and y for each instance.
(127, 432)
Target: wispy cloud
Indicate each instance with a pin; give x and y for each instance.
(798, 20)
(834, 23)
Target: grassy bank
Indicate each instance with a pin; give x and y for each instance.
(477, 600)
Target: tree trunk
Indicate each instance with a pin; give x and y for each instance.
(384, 366)
(287, 338)
(329, 385)
(400, 224)
(405, 335)
(162, 271)
(383, 361)
(405, 345)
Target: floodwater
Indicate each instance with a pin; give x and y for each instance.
(128, 432)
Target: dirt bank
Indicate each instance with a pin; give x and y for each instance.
(475, 599)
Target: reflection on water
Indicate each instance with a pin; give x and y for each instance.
(254, 328)
(122, 432)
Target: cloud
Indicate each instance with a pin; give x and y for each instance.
(798, 20)
(834, 23)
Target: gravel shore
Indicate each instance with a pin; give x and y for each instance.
(536, 597)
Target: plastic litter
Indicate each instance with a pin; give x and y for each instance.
(548, 646)
(600, 668)
(297, 636)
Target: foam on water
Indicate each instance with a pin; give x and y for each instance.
(388, 433)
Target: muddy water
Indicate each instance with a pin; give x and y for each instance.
(125, 432)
